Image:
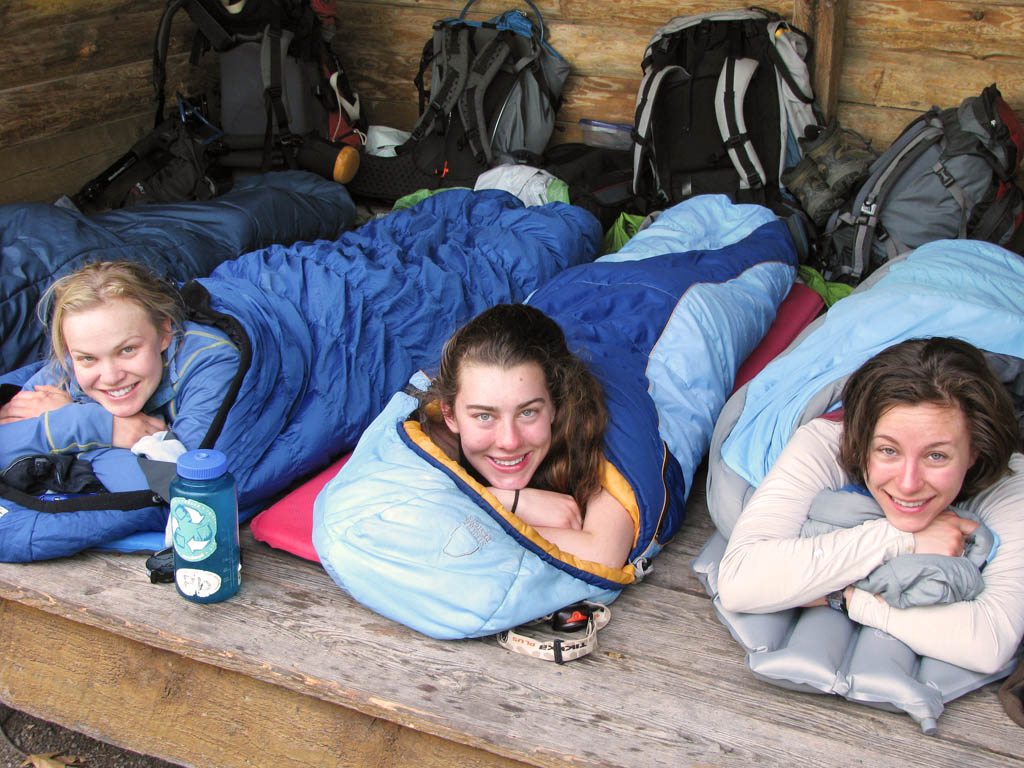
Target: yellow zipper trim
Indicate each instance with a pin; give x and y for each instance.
(624, 575)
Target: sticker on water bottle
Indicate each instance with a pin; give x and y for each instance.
(193, 529)
(195, 583)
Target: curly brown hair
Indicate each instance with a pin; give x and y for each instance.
(508, 335)
(939, 370)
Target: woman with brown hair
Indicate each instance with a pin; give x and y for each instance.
(927, 430)
(523, 415)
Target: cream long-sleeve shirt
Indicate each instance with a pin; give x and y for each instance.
(767, 567)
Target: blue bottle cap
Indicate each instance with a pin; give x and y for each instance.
(203, 464)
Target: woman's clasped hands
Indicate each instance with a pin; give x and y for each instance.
(30, 403)
(945, 535)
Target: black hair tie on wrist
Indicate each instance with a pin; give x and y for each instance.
(515, 503)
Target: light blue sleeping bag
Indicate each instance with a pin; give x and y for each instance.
(965, 289)
(664, 325)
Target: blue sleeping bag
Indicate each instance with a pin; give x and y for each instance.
(664, 324)
(969, 290)
(330, 330)
(41, 242)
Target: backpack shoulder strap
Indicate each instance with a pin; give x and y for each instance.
(274, 39)
(732, 86)
(643, 150)
(454, 63)
(471, 102)
(425, 59)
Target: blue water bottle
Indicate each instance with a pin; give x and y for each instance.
(204, 528)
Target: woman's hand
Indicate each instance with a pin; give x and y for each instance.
(945, 535)
(128, 430)
(546, 509)
(28, 404)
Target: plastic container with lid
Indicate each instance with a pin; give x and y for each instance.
(609, 135)
(204, 528)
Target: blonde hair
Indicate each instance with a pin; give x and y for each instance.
(100, 282)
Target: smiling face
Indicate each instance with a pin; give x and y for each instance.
(503, 418)
(917, 460)
(116, 354)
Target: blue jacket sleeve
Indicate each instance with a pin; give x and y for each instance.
(74, 428)
(204, 373)
(42, 376)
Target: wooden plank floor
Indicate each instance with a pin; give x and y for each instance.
(292, 672)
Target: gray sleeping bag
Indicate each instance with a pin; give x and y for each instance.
(966, 289)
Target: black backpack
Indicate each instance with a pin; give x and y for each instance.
(495, 87)
(169, 164)
(723, 100)
(949, 174)
(285, 103)
(278, 72)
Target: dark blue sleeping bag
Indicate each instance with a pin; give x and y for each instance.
(41, 242)
(328, 332)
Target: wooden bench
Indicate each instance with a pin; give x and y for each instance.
(293, 672)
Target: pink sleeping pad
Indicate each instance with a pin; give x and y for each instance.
(288, 524)
(795, 313)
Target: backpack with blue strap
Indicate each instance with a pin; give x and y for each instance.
(495, 87)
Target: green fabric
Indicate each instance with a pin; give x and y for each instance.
(627, 225)
(414, 197)
(829, 292)
(558, 192)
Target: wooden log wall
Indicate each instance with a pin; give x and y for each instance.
(75, 88)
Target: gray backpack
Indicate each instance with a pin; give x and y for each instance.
(950, 174)
(502, 77)
(495, 87)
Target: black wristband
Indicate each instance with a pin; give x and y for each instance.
(515, 503)
(837, 601)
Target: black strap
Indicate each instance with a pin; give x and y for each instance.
(471, 102)
(535, 67)
(273, 98)
(426, 58)
(220, 39)
(163, 35)
(197, 302)
(455, 64)
(88, 503)
(780, 66)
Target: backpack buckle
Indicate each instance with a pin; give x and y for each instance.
(945, 176)
(868, 208)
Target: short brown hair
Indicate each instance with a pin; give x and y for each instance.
(939, 370)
